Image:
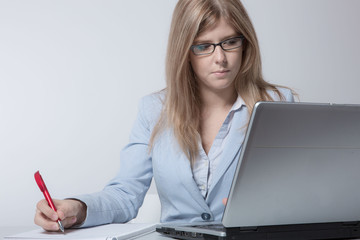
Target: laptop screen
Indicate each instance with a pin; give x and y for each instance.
(300, 164)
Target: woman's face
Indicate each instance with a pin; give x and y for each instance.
(216, 72)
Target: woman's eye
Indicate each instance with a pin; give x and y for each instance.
(203, 47)
(231, 42)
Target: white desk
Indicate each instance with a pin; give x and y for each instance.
(7, 231)
(153, 236)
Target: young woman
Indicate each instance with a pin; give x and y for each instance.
(188, 136)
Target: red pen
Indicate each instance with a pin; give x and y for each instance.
(40, 182)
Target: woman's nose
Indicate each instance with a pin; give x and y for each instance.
(219, 55)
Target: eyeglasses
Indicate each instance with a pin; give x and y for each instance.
(209, 48)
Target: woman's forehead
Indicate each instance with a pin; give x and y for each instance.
(221, 30)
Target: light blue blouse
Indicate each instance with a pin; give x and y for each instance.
(181, 200)
(205, 164)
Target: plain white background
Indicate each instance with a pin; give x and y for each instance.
(73, 71)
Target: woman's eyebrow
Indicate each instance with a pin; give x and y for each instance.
(204, 40)
(201, 41)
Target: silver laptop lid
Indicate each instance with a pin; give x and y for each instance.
(300, 163)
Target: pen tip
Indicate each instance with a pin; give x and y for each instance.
(61, 226)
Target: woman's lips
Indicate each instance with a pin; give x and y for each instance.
(221, 73)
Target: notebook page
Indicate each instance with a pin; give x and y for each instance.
(104, 232)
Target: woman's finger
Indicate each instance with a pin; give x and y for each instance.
(44, 222)
(44, 208)
(69, 221)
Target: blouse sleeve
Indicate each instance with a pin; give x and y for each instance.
(122, 197)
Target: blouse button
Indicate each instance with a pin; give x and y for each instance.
(205, 216)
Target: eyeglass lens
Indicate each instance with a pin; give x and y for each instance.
(208, 48)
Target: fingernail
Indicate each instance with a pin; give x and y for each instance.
(54, 217)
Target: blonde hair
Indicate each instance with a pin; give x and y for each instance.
(181, 109)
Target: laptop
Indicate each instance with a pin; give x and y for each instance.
(298, 177)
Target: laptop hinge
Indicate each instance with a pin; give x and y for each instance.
(353, 223)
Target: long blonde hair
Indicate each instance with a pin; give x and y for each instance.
(181, 109)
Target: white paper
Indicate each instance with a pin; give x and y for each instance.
(104, 232)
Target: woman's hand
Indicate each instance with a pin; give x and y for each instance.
(70, 211)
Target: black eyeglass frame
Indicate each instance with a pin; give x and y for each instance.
(217, 44)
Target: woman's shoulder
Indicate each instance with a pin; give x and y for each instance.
(286, 94)
(153, 101)
(151, 105)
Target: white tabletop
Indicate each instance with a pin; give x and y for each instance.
(11, 230)
(7, 231)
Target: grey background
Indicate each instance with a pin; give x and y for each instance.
(72, 74)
